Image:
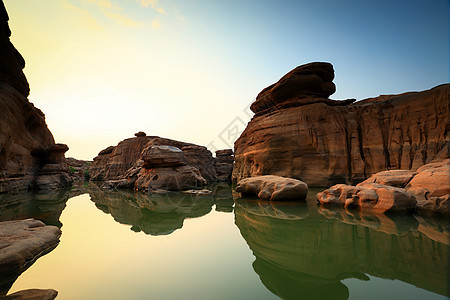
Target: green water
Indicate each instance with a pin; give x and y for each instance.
(122, 245)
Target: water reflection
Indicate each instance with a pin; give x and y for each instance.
(159, 214)
(46, 207)
(301, 254)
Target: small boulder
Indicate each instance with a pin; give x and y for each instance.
(271, 187)
(140, 134)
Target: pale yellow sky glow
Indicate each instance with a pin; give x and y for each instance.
(101, 75)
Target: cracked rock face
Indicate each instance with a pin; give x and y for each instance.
(323, 142)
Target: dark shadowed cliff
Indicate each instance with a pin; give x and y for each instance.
(29, 157)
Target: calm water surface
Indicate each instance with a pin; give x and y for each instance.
(122, 245)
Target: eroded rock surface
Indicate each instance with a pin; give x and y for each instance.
(125, 160)
(224, 163)
(428, 189)
(21, 243)
(29, 157)
(298, 132)
(274, 188)
(31, 294)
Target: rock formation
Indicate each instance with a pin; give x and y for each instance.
(224, 164)
(427, 189)
(298, 132)
(273, 188)
(29, 157)
(125, 160)
(31, 294)
(21, 243)
(78, 169)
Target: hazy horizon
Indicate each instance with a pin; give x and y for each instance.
(102, 70)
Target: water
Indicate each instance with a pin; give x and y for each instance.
(121, 245)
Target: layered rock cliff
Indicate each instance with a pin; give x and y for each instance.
(29, 157)
(116, 162)
(298, 132)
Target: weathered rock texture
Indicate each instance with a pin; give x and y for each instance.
(29, 157)
(127, 158)
(21, 243)
(308, 258)
(427, 189)
(32, 294)
(274, 188)
(224, 163)
(298, 132)
(78, 169)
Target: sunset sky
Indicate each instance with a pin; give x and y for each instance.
(102, 70)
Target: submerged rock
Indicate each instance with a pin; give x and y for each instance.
(298, 132)
(273, 188)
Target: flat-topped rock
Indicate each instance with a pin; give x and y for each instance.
(270, 187)
(163, 156)
(32, 294)
(397, 178)
(21, 243)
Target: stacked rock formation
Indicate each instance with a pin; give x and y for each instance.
(160, 168)
(427, 189)
(224, 164)
(298, 132)
(126, 159)
(29, 157)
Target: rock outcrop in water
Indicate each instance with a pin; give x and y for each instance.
(21, 243)
(273, 188)
(298, 132)
(126, 159)
(427, 189)
(29, 157)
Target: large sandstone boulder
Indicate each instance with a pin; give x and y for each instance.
(21, 243)
(324, 142)
(160, 168)
(114, 162)
(429, 186)
(306, 81)
(370, 197)
(273, 188)
(26, 144)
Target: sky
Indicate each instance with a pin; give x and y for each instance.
(102, 70)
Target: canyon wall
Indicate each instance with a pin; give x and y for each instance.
(29, 157)
(298, 132)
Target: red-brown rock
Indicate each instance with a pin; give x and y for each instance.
(26, 144)
(323, 143)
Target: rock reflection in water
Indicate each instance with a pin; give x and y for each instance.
(308, 256)
(156, 214)
(46, 207)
